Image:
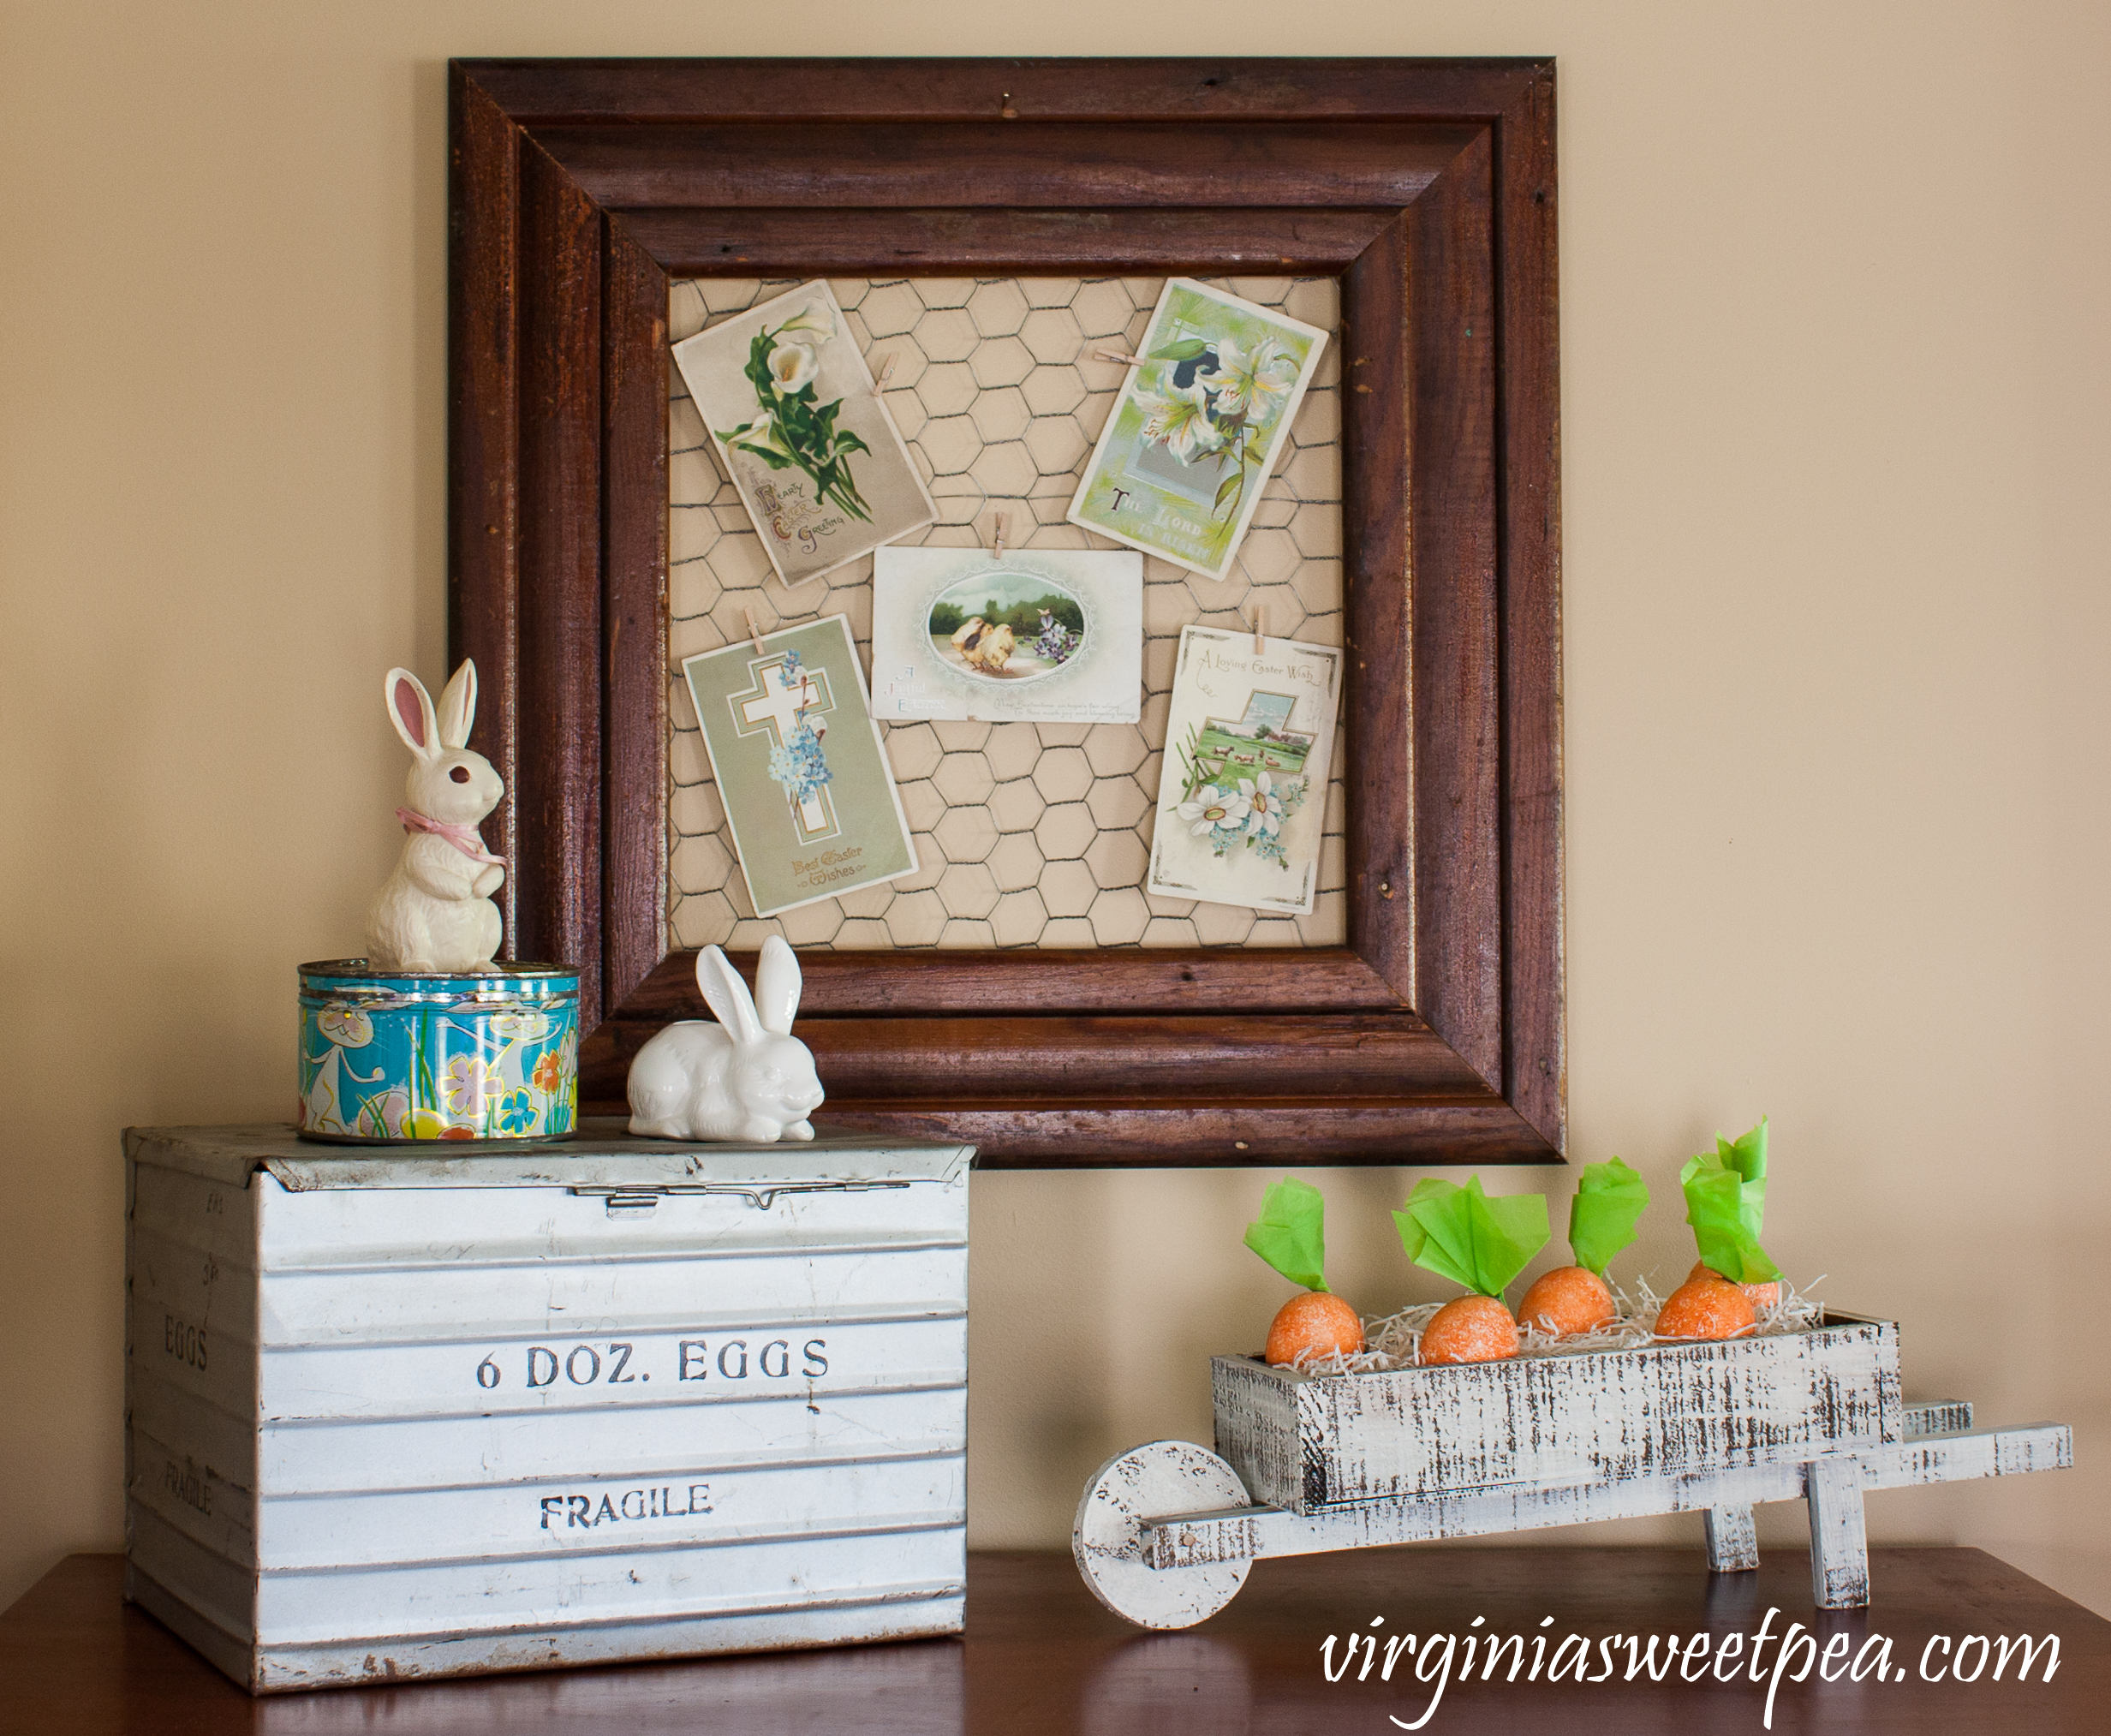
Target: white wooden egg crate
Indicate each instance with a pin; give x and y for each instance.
(1167, 1532)
(393, 1415)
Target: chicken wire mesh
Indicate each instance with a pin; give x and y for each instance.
(1027, 834)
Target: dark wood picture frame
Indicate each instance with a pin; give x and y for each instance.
(580, 189)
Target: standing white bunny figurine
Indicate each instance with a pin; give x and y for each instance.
(435, 913)
(746, 1077)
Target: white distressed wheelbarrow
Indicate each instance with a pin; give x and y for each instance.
(1167, 1532)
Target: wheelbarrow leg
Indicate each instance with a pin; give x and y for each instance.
(1732, 1539)
(1840, 1552)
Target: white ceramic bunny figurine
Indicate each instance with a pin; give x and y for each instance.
(746, 1077)
(435, 913)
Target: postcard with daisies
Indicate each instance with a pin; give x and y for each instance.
(1241, 800)
(1197, 427)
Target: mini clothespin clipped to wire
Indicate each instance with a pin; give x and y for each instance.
(1108, 352)
(754, 634)
(996, 543)
(886, 372)
(1259, 647)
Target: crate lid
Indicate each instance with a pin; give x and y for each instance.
(602, 1155)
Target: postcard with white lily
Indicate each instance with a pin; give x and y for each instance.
(801, 434)
(1192, 438)
(1242, 796)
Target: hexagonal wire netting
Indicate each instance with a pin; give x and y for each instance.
(1027, 834)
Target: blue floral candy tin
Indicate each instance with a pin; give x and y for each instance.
(404, 1057)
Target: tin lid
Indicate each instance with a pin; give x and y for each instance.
(601, 1155)
(502, 970)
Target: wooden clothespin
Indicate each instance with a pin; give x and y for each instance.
(1258, 645)
(997, 546)
(755, 635)
(1107, 352)
(886, 372)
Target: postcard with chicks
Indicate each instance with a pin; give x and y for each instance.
(1046, 635)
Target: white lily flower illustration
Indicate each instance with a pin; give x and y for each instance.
(817, 318)
(792, 365)
(1257, 381)
(1210, 807)
(1268, 812)
(1179, 420)
(762, 435)
(784, 367)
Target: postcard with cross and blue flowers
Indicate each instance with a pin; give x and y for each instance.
(1241, 800)
(808, 795)
(1197, 427)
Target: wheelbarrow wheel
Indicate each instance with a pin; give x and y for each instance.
(1149, 1482)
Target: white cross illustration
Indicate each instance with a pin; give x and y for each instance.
(777, 708)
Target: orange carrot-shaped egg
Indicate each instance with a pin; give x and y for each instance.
(1469, 1329)
(1763, 1295)
(1567, 1301)
(1707, 1308)
(1571, 1299)
(1319, 1323)
(1290, 1235)
(1483, 1243)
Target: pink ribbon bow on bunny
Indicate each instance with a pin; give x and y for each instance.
(466, 838)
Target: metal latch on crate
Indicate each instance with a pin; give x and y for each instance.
(638, 1201)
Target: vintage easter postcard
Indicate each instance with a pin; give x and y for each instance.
(798, 428)
(1241, 801)
(1189, 445)
(808, 791)
(1051, 635)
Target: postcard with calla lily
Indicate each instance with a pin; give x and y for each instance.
(1242, 796)
(801, 434)
(1180, 465)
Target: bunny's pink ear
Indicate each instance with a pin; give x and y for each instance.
(410, 709)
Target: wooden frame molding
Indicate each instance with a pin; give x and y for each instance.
(580, 189)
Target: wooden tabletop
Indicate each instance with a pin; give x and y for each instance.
(1041, 1654)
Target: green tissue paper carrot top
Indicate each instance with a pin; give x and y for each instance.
(1462, 1234)
(1290, 1235)
(1725, 1200)
(1608, 1202)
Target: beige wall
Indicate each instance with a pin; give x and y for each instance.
(1833, 286)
